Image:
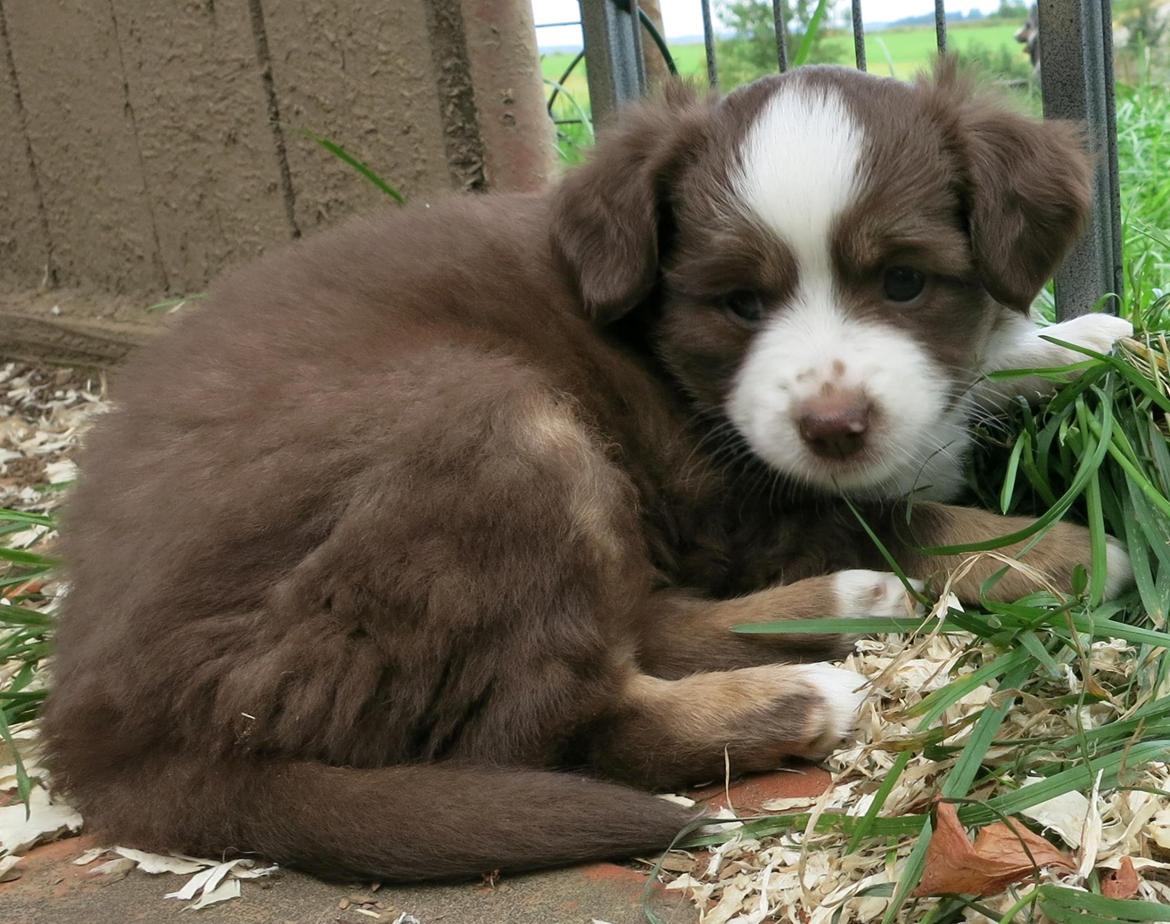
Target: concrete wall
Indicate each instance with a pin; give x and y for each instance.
(149, 144)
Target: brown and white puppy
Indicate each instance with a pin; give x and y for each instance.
(411, 516)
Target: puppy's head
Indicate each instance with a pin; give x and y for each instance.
(818, 257)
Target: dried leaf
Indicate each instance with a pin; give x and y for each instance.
(244, 871)
(221, 893)
(1122, 882)
(675, 862)
(218, 874)
(1160, 828)
(8, 868)
(192, 886)
(46, 821)
(1065, 814)
(61, 472)
(1091, 835)
(1002, 854)
(156, 863)
(119, 868)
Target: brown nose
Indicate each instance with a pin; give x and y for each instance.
(834, 425)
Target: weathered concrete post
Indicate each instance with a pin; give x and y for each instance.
(505, 70)
(656, 70)
(151, 146)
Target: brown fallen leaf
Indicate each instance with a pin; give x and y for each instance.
(1122, 882)
(1003, 853)
(26, 589)
(10, 871)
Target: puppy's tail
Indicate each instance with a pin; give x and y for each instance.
(401, 824)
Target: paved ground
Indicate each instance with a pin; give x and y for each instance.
(51, 890)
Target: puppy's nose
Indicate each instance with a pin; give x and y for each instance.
(834, 425)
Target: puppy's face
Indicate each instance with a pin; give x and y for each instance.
(829, 252)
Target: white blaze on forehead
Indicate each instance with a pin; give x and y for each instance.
(798, 168)
(798, 172)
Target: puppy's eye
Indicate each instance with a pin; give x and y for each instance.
(745, 306)
(903, 284)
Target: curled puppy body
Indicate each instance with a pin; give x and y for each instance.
(415, 550)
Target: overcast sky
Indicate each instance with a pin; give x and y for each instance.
(684, 17)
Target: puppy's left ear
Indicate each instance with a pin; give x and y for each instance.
(1027, 187)
(607, 213)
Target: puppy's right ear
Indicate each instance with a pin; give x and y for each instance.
(607, 212)
(1027, 185)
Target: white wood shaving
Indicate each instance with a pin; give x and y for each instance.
(119, 865)
(221, 893)
(155, 863)
(46, 821)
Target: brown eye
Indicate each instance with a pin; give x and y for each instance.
(903, 284)
(745, 306)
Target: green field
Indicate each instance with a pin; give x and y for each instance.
(896, 52)
(902, 52)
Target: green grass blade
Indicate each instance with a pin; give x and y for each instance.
(1007, 492)
(14, 615)
(957, 784)
(359, 165)
(810, 34)
(1113, 909)
(1090, 462)
(19, 516)
(24, 557)
(23, 781)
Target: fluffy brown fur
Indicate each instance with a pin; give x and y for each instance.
(414, 522)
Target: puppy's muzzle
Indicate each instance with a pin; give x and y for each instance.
(835, 425)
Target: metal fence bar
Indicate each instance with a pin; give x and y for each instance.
(614, 66)
(635, 27)
(780, 18)
(1112, 202)
(709, 45)
(858, 36)
(940, 25)
(1076, 80)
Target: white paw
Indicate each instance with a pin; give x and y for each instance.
(872, 593)
(1095, 331)
(1118, 569)
(842, 692)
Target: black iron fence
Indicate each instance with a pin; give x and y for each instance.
(1076, 81)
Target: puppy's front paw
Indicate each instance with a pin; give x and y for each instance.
(872, 593)
(1118, 569)
(1098, 332)
(840, 693)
